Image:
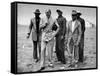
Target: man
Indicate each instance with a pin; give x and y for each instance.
(60, 37)
(34, 27)
(81, 44)
(47, 41)
(74, 35)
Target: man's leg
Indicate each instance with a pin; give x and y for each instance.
(76, 53)
(50, 51)
(71, 49)
(43, 54)
(35, 49)
(62, 48)
(57, 49)
(81, 50)
(39, 50)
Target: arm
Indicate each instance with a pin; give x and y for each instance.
(42, 25)
(30, 28)
(80, 33)
(57, 28)
(83, 25)
(64, 27)
(67, 31)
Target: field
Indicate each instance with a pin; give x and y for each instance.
(25, 52)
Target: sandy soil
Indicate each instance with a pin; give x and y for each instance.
(25, 53)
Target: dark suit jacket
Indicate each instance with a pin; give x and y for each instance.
(76, 34)
(32, 28)
(82, 25)
(62, 26)
(81, 45)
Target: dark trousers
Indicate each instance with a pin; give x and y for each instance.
(81, 49)
(35, 56)
(36, 49)
(60, 49)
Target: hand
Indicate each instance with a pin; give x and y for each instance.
(28, 35)
(62, 37)
(77, 43)
(46, 24)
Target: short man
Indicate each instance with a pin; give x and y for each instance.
(81, 44)
(74, 35)
(60, 37)
(34, 27)
(47, 42)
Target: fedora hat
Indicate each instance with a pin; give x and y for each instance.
(79, 13)
(59, 11)
(37, 11)
(48, 11)
(74, 12)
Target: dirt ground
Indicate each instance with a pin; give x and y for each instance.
(25, 53)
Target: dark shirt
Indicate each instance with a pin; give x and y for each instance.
(62, 25)
(37, 24)
(37, 27)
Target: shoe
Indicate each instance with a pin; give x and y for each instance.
(42, 68)
(76, 61)
(36, 60)
(63, 62)
(76, 65)
(62, 68)
(71, 65)
(57, 60)
(80, 61)
(51, 65)
(68, 62)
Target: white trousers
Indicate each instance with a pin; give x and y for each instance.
(46, 47)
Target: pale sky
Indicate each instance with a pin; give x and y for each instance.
(25, 12)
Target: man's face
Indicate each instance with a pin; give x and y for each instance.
(78, 15)
(59, 13)
(74, 16)
(37, 14)
(48, 14)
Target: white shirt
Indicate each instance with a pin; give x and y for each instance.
(50, 22)
(48, 34)
(73, 24)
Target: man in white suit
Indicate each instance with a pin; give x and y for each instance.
(74, 36)
(49, 31)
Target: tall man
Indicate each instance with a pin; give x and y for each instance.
(81, 44)
(47, 42)
(34, 27)
(74, 35)
(60, 37)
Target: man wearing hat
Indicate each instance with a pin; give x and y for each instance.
(34, 28)
(47, 39)
(60, 37)
(74, 36)
(81, 44)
